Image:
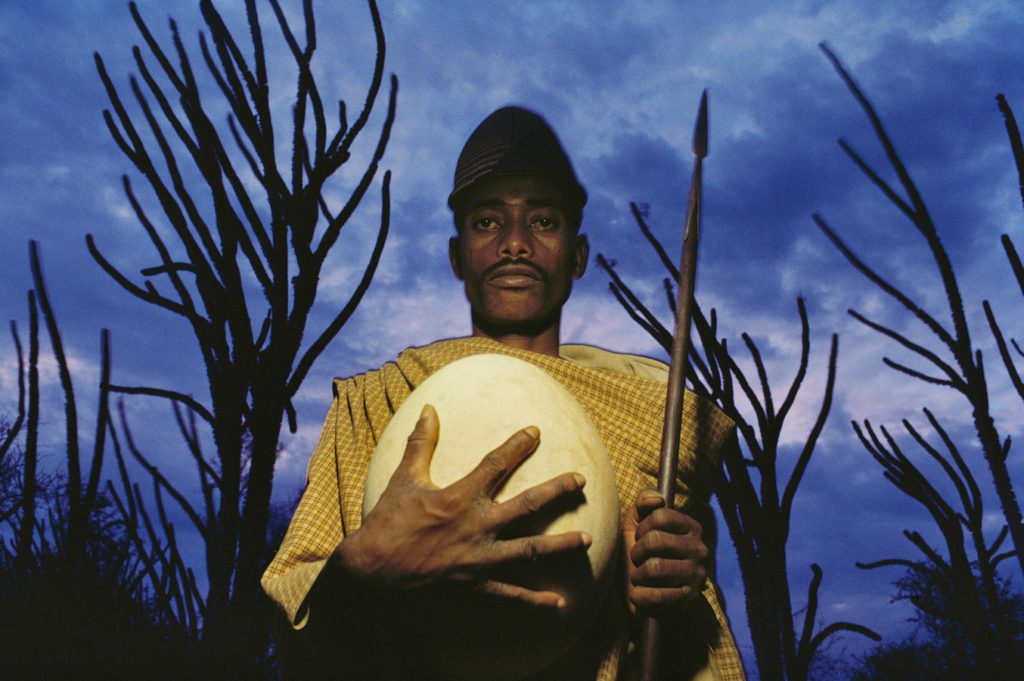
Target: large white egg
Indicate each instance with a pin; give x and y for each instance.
(480, 401)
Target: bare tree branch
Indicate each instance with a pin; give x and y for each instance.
(15, 428)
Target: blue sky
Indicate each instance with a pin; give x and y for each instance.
(620, 82)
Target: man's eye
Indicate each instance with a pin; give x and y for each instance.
(544, 224)
(486, 224)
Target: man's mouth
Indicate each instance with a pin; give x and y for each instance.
(514, 276)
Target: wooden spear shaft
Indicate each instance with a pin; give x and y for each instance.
(651, 632)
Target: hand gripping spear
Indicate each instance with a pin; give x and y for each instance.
(677, 367)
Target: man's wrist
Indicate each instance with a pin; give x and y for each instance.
(347, 560)
(349, 574)
(683, 615)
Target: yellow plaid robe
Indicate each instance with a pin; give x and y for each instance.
(624, 395)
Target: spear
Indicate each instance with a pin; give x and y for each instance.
(677, 366)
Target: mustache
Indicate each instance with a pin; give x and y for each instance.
(520, 264)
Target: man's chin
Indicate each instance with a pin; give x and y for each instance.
(516, 322)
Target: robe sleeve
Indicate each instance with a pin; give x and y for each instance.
(314, 531)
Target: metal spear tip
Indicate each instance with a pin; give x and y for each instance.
(700, 128)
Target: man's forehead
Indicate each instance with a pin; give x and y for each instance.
(529, 190)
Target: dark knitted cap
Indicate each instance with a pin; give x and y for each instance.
(514, 141)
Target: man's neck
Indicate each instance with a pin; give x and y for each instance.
(546, 342)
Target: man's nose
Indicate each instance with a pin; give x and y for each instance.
(515, 240)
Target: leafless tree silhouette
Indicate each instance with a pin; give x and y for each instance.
(968, 570)
(240, 266)
(975, 597)
(963, 369)
(68, 530)
(77, 564)
(1013, 256)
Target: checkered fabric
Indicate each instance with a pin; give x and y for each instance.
(625, 396)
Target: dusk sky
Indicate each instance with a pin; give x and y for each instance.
(620, 83)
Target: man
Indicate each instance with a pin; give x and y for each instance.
(518, 207)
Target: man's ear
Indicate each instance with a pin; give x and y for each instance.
(453, 257)
(582, 253)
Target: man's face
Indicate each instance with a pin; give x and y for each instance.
(517, 252)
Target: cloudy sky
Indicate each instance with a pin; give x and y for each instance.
(620, 82)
